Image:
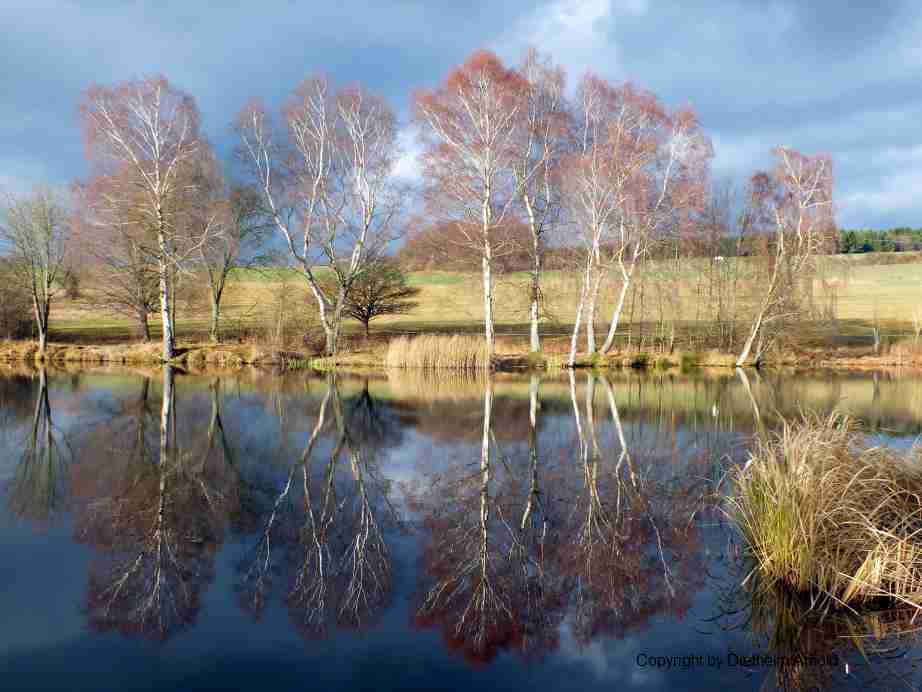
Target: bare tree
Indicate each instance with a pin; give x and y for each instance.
(539, 146)
(666, 181)
(149, 128)
(468, 126)
(36, 491)
(797, 198)
(635, 173)
(112, 238)
(330, 188)
(34, 231)
(593, 188)
(231, 221)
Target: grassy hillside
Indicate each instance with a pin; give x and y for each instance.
(858, 289)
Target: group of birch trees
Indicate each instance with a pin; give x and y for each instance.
(513, 161)
(605, 170)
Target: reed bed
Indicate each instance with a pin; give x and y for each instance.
(435, 352)
(827, 514)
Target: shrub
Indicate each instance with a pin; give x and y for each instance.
(15, 307)
(827, 514)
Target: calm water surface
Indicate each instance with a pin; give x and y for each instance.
(161, 530)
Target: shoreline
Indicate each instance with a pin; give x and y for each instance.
(229, 355)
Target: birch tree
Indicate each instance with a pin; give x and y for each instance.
(150, 128)
(33, 235)
(593, 192)
(539, 146)
(635, 174)
(665, 171)
(797, 196)
(468, 125)
(329, 185)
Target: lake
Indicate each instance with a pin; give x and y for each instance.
(165, 530)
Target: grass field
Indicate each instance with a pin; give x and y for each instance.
(860, 290)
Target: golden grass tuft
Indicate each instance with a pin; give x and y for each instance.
(825, 513)
(433, 352)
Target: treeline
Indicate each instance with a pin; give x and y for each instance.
(900, 239)
(517, 171)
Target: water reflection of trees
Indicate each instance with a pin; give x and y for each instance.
(154, 509)
(326, 522)
(522, 544)
(565, 519)
(36, 492)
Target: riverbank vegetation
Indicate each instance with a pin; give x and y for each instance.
(827, 514)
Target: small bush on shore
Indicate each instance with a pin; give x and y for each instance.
(825, 513)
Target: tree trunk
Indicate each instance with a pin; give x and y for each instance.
(584, 289)
(747, 347)
(619, 309)
(143, 325)
(41, 323)
(331, 337)
(166, 314)
(591, 311)
(215, 315)
(535, 295)
(487, 261)
(760, 317)
(489, 333)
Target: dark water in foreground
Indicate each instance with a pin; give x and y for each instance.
(168, 531)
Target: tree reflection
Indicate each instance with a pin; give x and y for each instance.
(327, 520)
(517, 553)
(36, 492)
(154, 511)
(472, 595)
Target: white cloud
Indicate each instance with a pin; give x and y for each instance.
(894, 193)
(407, 166)
(573, 32)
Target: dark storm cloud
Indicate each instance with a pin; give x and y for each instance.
(819, 75)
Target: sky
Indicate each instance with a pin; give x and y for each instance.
(817, 75)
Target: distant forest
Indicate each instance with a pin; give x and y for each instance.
(868, 240)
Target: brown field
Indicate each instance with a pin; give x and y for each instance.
(274, 310)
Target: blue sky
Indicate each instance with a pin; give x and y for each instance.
(817, 75)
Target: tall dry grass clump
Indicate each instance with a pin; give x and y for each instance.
(824, 512)
(432, 352)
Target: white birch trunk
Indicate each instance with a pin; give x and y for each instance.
(584, 289)
(166, 314)
(626, 277)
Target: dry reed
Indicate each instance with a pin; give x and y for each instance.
(433, 352)
(825, 513)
